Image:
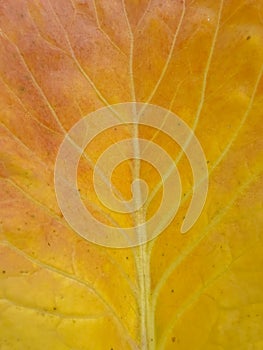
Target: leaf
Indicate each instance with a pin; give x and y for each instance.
(62, 60)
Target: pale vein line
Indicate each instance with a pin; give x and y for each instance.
(166, 115)
(64, 223)
(75, 10)
(57, 217)
(87, 77)
(243, 120)
(197, 294)
(93, 85)
(144, 14)
(237, 9)
(75, 279)
(103, 99)
(103, 177)
(216, 220)
(98, 24)
(73, 6)
(167, 28)
(141, 256)
(41, 124)
(133, 95)
(169, 55)
(103, 31)
(47, 210)
(50, 313)
(26, 110)
(21, 143)
(45, 39)
(8, 305)
(41, 92)
(56, 117)
(220, 87)
(81, 69)
(200, 106)
(231, 141)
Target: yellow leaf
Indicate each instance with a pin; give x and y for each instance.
(62, 60)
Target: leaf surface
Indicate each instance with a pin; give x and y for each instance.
(61, 60)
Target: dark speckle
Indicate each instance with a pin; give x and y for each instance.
(173, 339)
(248, 37)
(4, 271)
(54, 308)
(172, 290)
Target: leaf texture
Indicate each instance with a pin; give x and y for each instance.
(61, 60)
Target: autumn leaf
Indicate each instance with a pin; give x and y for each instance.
(62, 60)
